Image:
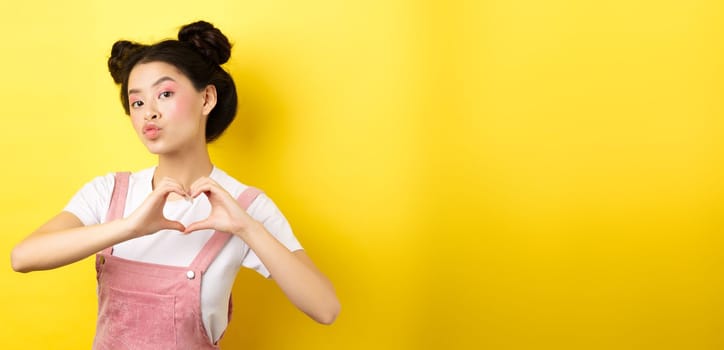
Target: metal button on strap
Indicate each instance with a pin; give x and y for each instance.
(190, 274)
(102, 260)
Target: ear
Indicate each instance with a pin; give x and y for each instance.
(209, 99)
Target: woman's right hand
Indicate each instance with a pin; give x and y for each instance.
(64, 239)
(148, 217)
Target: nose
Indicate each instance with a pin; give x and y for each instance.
(151, 115)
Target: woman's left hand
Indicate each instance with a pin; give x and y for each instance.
(226, 214)
(295, 273)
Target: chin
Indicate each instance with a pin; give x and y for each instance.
(156, 149)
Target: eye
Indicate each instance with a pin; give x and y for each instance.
(165, 94)
(136, 104)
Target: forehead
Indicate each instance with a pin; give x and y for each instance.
(144, 75)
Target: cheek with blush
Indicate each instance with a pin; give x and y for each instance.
(181, 107)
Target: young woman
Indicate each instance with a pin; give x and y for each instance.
(170, 239)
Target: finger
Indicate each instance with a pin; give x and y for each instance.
(198, 188)
(199, 225)
(167, 181)
(204, 184)
(212, 188)
(174, 225)
(157, 199)
(167, 188)
(203, 179)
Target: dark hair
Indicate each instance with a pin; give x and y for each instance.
(198, 53)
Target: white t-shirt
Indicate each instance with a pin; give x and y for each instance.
(168, 247)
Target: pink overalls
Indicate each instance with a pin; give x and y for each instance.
(152, 306)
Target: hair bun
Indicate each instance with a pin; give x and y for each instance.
(208, 40)
(120, 53)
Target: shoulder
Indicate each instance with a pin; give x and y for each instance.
(100, 184)
(105, 183)
(99, 189)
(261, 208)
(228, 182)
(89, 203)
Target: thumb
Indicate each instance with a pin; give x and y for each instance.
(174, 225)
(198, 225)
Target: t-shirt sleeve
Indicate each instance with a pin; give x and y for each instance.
(91, 202)
(266, 212)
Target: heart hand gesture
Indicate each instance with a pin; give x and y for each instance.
(226, 213)
(148, 217)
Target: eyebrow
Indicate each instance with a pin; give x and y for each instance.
(159, 81)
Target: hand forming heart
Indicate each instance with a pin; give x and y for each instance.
(226, 214)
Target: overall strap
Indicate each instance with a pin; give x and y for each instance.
(118, 201)
(218, 240)
(115, 211)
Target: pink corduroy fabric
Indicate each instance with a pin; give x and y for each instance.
(152, 306)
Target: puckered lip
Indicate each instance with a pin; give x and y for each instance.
(150, 127)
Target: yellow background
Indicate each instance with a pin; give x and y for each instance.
(510, 174)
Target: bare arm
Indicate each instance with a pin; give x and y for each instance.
(64, 240)
(295, 273)
(305, 286)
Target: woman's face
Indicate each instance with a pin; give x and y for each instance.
(167, 112)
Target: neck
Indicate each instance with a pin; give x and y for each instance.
(185, 168)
